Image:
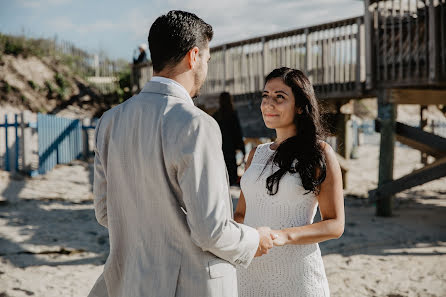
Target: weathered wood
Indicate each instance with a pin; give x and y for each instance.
(417, 43)
(358, 57)
(423, 141)
(400, 51)
(345, 167)
(421, 176)
(265, 66)
(386, 116)
(434, 61)
(85, 143)
(409, 42)
(25, 141)
(344, 135)
(418, 139)
(307, 51)
(397, 56)
(423, 124)
(385, 38)
(418, 96)
(378, 56)
(225, 71)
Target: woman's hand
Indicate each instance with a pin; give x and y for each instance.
(280, 238)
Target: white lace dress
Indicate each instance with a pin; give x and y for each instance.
(290, 270)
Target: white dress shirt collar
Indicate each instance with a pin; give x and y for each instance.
(172, 82)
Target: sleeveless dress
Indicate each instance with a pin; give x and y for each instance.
(290, 270)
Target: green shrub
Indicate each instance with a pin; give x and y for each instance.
(62, 91)
(33, 85)
(6, 87)
(50, 88)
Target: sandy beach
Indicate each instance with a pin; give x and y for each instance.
(51, 244)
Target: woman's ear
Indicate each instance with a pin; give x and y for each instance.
(299, 110)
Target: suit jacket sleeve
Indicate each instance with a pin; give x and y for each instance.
(202, 177)
(100, 182)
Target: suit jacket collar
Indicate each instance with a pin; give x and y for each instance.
(166, 89)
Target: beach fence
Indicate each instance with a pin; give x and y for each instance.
(59, 141)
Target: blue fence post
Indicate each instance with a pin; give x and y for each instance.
(6, 142)
(16, 126)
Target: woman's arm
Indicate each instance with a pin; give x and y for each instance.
(239, 215)
(331, 207)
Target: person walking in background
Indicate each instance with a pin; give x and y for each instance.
(142, 57)
(160, 183)
(228, 120)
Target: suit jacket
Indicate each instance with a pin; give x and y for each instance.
(161, 189)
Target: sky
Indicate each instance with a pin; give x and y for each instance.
(117, 27)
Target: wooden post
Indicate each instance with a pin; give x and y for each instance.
(86, 148)
(307, 52)
(368, 25)
(358, 84)
(16, 143)
(225, 60)
(423, 124)
(6, 158)
(343, 135)
(386, 117)
(265, 67)
(434, 53)
(25, 142)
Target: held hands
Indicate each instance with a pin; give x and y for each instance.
(280, 238)
(266, 241)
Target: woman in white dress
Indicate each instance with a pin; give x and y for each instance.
(285, 182)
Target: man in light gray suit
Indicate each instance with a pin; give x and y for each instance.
(160, 182)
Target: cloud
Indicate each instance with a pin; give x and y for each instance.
(234, 20)
(41, 3)
(65, 23)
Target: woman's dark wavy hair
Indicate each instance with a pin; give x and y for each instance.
(305, 147)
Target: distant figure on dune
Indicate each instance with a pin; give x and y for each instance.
(142, 54)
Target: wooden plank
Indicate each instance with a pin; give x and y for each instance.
(377, 45)
(358, 57)
(427, 54)
(343, 135)
(409, 41)
(418, 96)
(421, 176)
(423, 124)
(400, 52)
(442, 37)
(434, 54)
(386, 115)
(393, 41)
(426, 142)
(417, 41)
(418, 139)
(385, 57)
(343, 163)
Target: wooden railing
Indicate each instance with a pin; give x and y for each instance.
(331, 54)
(397, 43)
(408, 42)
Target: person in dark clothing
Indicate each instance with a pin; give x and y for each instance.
(227, 119)
(142, 54)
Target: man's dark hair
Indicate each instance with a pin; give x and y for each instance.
(174, 34)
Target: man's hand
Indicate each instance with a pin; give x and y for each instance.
(266, 241)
